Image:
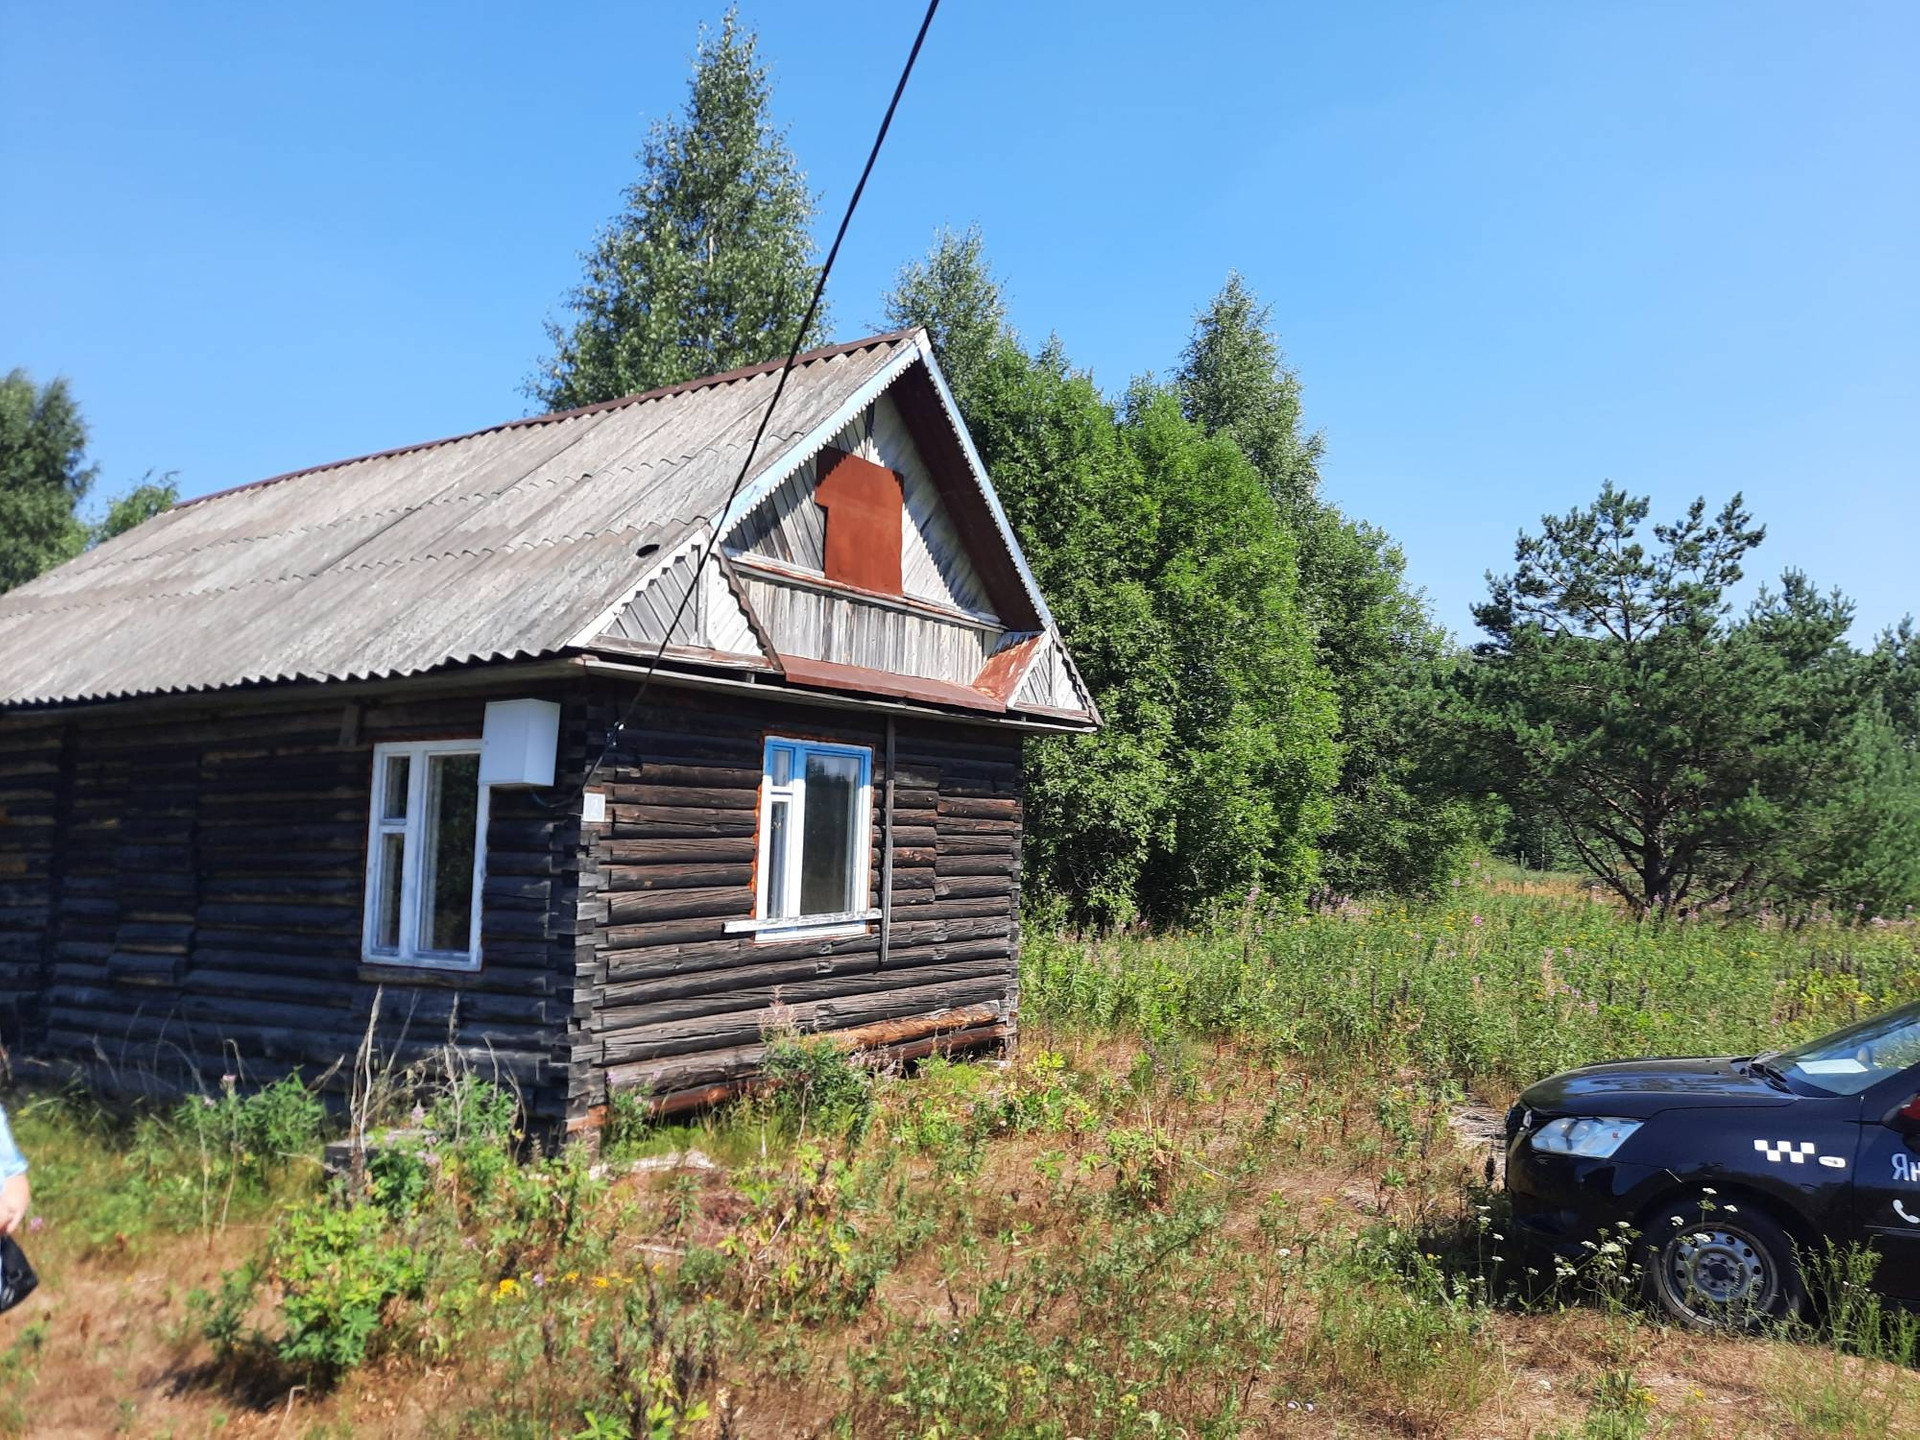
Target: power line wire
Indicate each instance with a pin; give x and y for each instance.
(739, 481)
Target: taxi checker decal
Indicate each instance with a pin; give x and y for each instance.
(1797, 1153)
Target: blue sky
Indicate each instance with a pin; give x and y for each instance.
(1513, 250)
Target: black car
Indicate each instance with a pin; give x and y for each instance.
(1722, 1167)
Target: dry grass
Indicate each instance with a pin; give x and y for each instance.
(119, 1351)
(1152, 1226)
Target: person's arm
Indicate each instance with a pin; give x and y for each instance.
(15, 1193)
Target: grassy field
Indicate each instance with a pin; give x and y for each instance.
(1225, 1187)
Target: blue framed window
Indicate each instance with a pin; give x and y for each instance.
(816, 811)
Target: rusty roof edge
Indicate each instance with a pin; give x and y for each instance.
(704, 382)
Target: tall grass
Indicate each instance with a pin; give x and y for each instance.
(1490, 988)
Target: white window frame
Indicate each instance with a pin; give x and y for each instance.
(408, 952)
(793, 793)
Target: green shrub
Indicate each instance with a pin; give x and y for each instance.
(814, 1082)
(337, 1269)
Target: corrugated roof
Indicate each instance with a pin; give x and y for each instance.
(501, 544)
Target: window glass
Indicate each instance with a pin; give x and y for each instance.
(393, 868)
(826, 847)
(393, 805)
(446, 890)
(776, 861)
(1852, 1060)
(780, 766)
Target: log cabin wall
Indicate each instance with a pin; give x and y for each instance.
(682, 1006)
(183, 893)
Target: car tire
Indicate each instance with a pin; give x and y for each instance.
(1714, 1265)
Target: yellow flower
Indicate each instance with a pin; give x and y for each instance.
(599, 1282)
(506, 1289)
(572, 1275)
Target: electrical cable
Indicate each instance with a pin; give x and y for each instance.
(612, 741)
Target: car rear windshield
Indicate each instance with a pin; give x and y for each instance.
(1858, 1057)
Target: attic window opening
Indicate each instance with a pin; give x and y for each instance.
(863, 504)
(425, 855)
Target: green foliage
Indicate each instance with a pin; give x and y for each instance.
(954, 295)
(241, 1141)
(1411, 1336)
(707, 267)
(1492, 991)
(1263, 669)
(337, 1269)
(1234, 382)
(149, 498)
(1683, 751)
(1149, 1325)
(43, 477)
(113, 1179)
(816, 1085)
(1172, 576)
(1396, 825)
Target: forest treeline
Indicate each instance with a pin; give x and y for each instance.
(1285, 720)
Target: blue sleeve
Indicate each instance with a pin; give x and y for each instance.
(12, 1162)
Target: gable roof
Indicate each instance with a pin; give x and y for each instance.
(507, 543)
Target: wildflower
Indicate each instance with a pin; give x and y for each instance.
(539, 1281)
(1285, 1252)
(1477, 920)
(38, 1222)
(418, 1114)
(506, 1289)
(571, 1276)
(599, 1282)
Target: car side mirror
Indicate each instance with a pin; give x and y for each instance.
(1904, 1117)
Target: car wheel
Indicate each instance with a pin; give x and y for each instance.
(1714, 1266)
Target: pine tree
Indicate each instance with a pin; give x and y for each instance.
(1395, 826)
(709, 266)
(957, 299)
(43, 477)
(1234, 382)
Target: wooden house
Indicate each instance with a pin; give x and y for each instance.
(402, 746)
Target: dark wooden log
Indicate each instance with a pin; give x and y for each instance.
(631, 907)
(668, 876)
(739, 1027)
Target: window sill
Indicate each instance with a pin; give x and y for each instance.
(805, 927)
(416, 972)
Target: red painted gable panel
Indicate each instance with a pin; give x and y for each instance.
(863, 506)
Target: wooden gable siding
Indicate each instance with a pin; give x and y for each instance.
(790, 528)
(1049, 683)
(852, 628)
(684, 1006)
(194, 902)
(713, 620)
